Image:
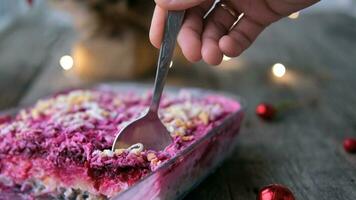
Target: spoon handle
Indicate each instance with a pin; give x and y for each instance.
(172, 27)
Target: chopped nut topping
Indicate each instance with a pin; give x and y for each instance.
(204, 117)
(187, 138)
(108, 153)
(119, 151)
(151, 156)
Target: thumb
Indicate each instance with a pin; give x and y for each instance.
(178, 4)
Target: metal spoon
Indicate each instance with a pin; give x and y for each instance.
(149, 130)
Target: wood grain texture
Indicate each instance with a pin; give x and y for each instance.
(303, 149)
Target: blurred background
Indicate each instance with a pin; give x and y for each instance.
(46, 46)
(307, 59)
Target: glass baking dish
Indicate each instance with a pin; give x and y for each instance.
(174, 178)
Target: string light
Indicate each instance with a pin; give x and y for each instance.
(226, 58)
(66, 62)
(278, 70)
(294, 15)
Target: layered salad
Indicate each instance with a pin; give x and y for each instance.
(60, 147)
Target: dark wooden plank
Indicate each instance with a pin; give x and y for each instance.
(301, 150)
(304, 149)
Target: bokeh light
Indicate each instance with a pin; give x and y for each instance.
(66, 62)
(278, 70)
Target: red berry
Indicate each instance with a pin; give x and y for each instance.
(350, 145)
(275, 192)
(266, 111)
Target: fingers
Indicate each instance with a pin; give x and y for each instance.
(157, 26)
(189, 37)
(217, 25)
(211, 40)
(240, 37)
(178, 4)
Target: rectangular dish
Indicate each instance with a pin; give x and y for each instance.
(67, 155)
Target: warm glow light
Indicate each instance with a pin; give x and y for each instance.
(66, 62)
(279, 70)
(171, 64)
(226, 58)
(294, 15)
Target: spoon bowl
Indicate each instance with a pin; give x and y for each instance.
(147, 130)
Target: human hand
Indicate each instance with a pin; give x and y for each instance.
(211, 38)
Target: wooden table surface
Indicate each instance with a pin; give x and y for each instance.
(302, 150)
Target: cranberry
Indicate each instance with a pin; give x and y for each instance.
(266, 111)
(275, 192)
(350, 145)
